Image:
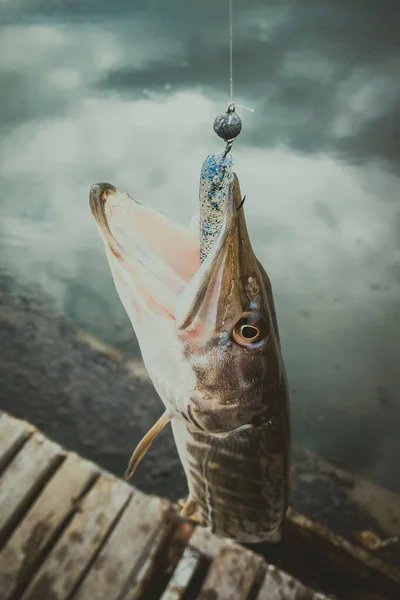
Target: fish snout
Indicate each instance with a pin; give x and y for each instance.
(98, 195)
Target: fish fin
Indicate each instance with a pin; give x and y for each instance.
(145, 443)
(274, 536)
(188, 507)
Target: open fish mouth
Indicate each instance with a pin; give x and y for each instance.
(152, 259)
(143, 239)
(155, 256)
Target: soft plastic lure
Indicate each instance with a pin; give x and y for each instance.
(216, 174)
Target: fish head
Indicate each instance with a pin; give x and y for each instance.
(207, 332)
(226, 322)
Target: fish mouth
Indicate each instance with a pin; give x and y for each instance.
(99, 193)
(159, 260)
(182, 310)
(151, 257)
(136, 234)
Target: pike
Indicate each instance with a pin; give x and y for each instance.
(209, 339)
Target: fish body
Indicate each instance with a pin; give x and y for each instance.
(237, 481)
(205, 320)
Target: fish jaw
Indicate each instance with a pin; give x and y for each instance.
(151, 259)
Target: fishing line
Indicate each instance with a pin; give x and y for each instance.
(216, 176)
(228, 125)
(231, 60)
(231, 49)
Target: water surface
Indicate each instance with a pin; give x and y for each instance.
(127, 92)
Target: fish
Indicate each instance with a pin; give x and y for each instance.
(208, 334)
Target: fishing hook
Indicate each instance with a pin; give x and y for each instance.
(241, 204)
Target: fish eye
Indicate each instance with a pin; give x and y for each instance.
(249, 330)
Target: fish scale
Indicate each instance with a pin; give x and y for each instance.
(237, 482)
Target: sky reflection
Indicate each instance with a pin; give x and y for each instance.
(127, 93)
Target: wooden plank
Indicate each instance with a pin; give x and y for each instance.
(43, 521)
(70, 557)
(316, 556)
(36, 490)
(118, 564)
(185, 562)
(150, 575)
(13, 434)
(232, 574)
(208, 544)
(348, 504)
(278, 585)
(342, 556)
(182, 575)
(24, 477)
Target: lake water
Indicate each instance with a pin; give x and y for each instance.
(127, 92)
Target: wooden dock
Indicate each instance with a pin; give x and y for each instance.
(71, 531)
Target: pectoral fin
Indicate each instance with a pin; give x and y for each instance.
(188, 508)
(145, 443)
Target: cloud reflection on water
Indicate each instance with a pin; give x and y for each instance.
(132, 100)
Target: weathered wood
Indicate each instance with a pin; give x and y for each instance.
(182, 575)
(208, 544)
(345, 503)
(43, 521)
(318, 557)
(24, 477)
(13, 434)
(70, 537)
(150, 572)
(342, 555)
(232, 574)
(278, 585)
(118, 564)
(69, 559)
